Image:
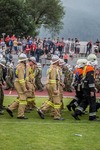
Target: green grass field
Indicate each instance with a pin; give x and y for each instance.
(48, 134)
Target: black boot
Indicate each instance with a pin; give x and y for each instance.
(71, 104)
(9, 112)
(75, 116)
(97, 106)
(93, 118)
(40, 113)
(73, 107)
(69, 107)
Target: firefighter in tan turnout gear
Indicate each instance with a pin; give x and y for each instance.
(52, 87)
(20, 87)
(30, 69)
(61, 83)
(2, 65)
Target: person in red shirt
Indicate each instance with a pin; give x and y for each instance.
(13, 37)
(63, 43)
(33, 49)
(57, 44)
(7, 39)
(65, 57)
(27, 50)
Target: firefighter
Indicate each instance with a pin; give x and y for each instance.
(88, 86)
(20, 87)
(61, 83)
(30, 85)
(97, 83)
(77, 78)
(97, 79)
(67, 78)
(1, 88)
(52, 87)
(9, 76)
(38, 76)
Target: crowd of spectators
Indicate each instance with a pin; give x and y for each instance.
(45, 48)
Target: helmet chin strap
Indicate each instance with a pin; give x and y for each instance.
(81, 65)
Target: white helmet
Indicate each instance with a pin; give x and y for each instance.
(39, 65)
(1, 56)
(8, 64)
(22, 57)
(11, 65)
(66, 65)
(61, 62)
(92, 60)
(76, 66)
(81, 63)
(33, 59)
(3, 62)
(70, 69)
(55, 59)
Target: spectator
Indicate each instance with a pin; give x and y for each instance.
(49, 56)
(15, 44)
(1, 52)
(39, 52)
(57, 52)
(89, 47)
(33, 49)
(77, 47)
(67, 45)
(10, 44)
(30, 42)
(63, 44)
(13, 37)
(95, 47)
(27, 50)
(72, 45)
(24, 42)
(60, 48)
(44, 43)
(19, 44)
(97, 42)
(49, 43)
(2, 43)
(7, 39)
(65, 57)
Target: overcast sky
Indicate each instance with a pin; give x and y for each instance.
(82, 19)
(89, 6)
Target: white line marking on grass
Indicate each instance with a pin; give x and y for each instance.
(45, 123)
(40, 96)
(47, 96)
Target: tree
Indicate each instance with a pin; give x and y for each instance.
(13, 19)
(27, 16)
(47, 13)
